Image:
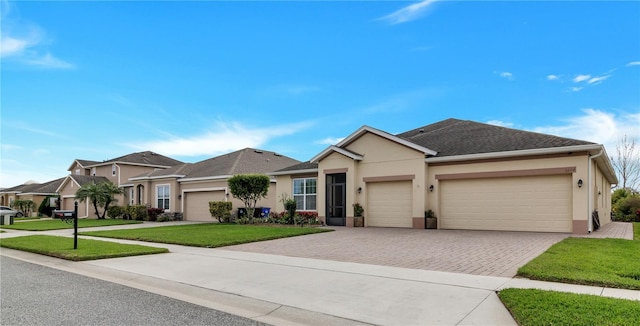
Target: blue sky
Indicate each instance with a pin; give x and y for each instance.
(192, 80)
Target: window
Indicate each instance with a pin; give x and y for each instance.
(131, 196)
(113, 169)
(163, 196)
(77, 171)
(304, 192)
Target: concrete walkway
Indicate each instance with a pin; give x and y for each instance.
(283, 290)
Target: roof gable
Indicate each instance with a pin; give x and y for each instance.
(80, 180)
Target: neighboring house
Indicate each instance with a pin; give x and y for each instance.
(117, 171)
(189, 187)
(474, 176)
(35, 192)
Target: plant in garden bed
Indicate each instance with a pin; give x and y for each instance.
(221, 210)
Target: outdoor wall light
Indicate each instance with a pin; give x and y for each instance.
(431, 188)
(580, 183)
(359, 190)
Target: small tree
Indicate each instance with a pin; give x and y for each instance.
(24, 205)
(627, 163)
(100, 195)
(249, 188)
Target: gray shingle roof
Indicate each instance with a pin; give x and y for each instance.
(461, 137)
(298, 167)
(248, 160)
(48, 187)
(147, 158)
(85, 179)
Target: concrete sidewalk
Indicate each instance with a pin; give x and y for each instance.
(283, 290)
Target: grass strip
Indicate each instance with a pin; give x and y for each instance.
(62, 247)
(208, 235)
(47, 225)
(636, 231)
(538, 307)
(25, 218)
(600, 262)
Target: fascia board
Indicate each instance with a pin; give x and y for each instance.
(292, 172)
(217, 177)
(593, 149)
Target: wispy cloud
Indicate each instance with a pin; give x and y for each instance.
(633, 63)
(597, 126)
(25, 43)
(226, 137)
(553, 77)
(575, 89)
(504, 74)
(500, 123)
(408, 13)
(581, 78)
(329, 141)
(597, 80)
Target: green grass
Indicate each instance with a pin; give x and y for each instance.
(62, 247)
(537, 307)
(207, 235)
(47, 225)
(636, 231)
(600, 262)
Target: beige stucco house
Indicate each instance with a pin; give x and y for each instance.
(189, 187)
(36, 192)
(474, 176)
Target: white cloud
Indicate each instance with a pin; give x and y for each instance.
(408, 13)
(597, 126)
(597, 80)
(575, 89)
(633, 63)
(504, 74)
(329, 141)
(552, 77)
(226, 138)
(500, 123)
(47, 61)
(580, 78)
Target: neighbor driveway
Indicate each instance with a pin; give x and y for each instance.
(492, 253)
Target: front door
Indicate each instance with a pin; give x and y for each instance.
(336, 199)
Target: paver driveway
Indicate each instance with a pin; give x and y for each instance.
(493, 253)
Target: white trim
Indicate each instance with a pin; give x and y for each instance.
(128, 163)
(225, 189)
(127, 185)
(334, 148)
(218, 177)
(292, 172)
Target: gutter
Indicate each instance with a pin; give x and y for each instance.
(590, 198)
(525, 152)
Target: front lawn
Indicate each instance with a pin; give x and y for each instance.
(600, 262)
(538, 307)
(62, 247)
(636, 230)
(47, 225)
(25, 218)
(208, 235)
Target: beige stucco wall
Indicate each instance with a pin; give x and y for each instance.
(579, 195)
(67, 197)
(284, 188)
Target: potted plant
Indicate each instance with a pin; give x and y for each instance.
(358, 218)
(431, 221)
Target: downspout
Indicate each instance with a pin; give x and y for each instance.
(590, 198)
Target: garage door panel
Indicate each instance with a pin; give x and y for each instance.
(389, 204)
(197, 205)
(540, 203)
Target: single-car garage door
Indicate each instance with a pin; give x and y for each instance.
(196, 205)
(389, 204)
(536, 203)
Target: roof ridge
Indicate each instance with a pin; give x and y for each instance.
(238, 158)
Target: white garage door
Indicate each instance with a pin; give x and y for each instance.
(538, 203)
(196, 205)
(389, 204)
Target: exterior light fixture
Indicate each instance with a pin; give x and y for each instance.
(580, 183)
(431, 188)
(359, 190)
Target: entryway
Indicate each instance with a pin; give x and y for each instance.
(336, 199)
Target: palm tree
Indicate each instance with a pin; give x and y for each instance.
(100, 195)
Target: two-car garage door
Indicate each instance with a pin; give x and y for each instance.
(540, 203)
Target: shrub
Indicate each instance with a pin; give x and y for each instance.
(164, 217)
(221, 210)
(115, 211)
(627, 208)
(357, 210)
(137, 212)
(44, 207)
(152, 214)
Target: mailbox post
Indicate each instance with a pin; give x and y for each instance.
(70, 216)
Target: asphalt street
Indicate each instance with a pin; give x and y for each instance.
(36, 295)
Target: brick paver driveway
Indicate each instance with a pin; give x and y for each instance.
(492, 253)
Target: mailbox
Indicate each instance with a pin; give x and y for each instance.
(63, 214)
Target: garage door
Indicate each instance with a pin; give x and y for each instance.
(389, 204)
(196, 205)
(538, 203)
